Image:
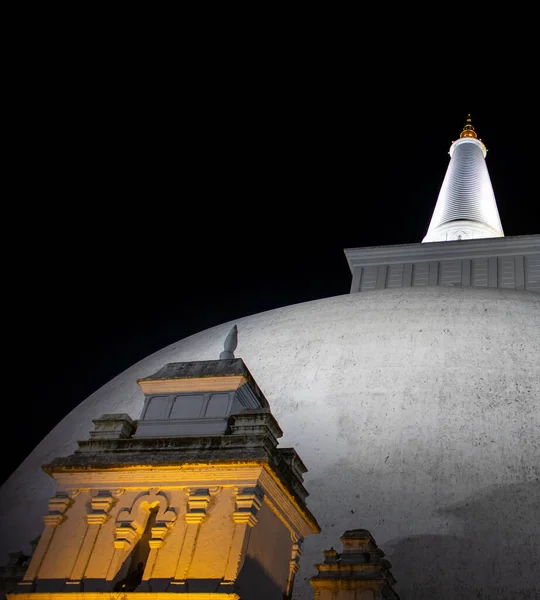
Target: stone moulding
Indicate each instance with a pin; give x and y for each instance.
(504, 263)
(124, 596)
(206, 384)
(289, 505)
(478, 248)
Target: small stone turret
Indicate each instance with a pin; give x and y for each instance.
(361, 568)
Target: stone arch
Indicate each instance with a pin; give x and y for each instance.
(137, 516)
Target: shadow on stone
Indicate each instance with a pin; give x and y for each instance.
(491, 557)
(254, 583)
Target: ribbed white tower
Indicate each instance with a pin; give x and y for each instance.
(466, 206)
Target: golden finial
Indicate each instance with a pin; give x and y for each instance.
(468, 130)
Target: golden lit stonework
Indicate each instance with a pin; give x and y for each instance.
(468, 130)
(186, 506)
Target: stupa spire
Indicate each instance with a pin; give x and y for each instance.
(466, 207)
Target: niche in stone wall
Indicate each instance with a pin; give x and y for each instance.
(157, 408)
(138, 557)
(187, 406)
(217, 405)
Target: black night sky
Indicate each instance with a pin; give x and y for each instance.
(153, 203)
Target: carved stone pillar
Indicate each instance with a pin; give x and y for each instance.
(155, 543)
(126, 537)
(159, 532)
(248, 503)
(294, 563)
(100, 506)
(58, 505)
(197, 507)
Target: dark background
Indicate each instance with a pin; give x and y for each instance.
(161, 189)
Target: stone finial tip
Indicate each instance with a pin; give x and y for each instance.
(231, 341)
(468, 130)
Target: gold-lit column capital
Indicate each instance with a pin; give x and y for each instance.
(294, 563)
(248, 503)
(126, 536)
(53, 520)
(198, 502)
(100, 507)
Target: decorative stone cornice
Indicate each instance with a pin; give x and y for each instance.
(190, 475)
(126, 460)
(299, 518)
(101, 454)
(202, 376)
(259, 422)
(113, 426)
(286, 503)
(294, 461)
(425, 252)
(203, 384)
(123, 596)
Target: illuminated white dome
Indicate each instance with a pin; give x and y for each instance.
(416, 412)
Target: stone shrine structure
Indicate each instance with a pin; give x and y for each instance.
(194, 498)
(360, 572)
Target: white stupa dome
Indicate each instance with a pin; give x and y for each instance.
(416, 411)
